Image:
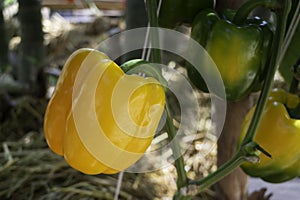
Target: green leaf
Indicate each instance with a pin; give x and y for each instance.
(292, 53)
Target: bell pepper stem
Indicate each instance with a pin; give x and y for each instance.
(281, 14)
(248, 152)
(243, 12)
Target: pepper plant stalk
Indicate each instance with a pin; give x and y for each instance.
(179, 163)
(223, 171)
(153, 19)
(281, 18)
(171, 131)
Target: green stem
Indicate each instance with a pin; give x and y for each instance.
(244, 11)
(295, 18)
(179, 163)
(156, 58)
(281, 15)
(223, 171)
(152, 15)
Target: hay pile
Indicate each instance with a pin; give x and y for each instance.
(30, 170)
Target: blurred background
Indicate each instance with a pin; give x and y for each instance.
(36, 38)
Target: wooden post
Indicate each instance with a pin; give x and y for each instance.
(31, 49)
(4, 63)
(235, 185)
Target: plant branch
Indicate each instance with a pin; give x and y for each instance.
(179, 163)
(281, 14)
(223, 171)
(290, 32)
(156, 58)
(152, 15)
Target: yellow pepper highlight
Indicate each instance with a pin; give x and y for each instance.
(100, 119)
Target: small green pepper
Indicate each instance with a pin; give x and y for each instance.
(239, 51)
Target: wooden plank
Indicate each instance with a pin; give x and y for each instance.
(82, 4)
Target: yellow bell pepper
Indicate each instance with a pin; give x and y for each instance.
(100, 119)
(279, 134)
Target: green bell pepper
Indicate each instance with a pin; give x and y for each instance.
(239, 51)
(268, 34)
(175, 12)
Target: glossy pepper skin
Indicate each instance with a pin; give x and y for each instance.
(174, 12)
(100, 119)
(238, 51)
(279, 134)
(268, 34)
